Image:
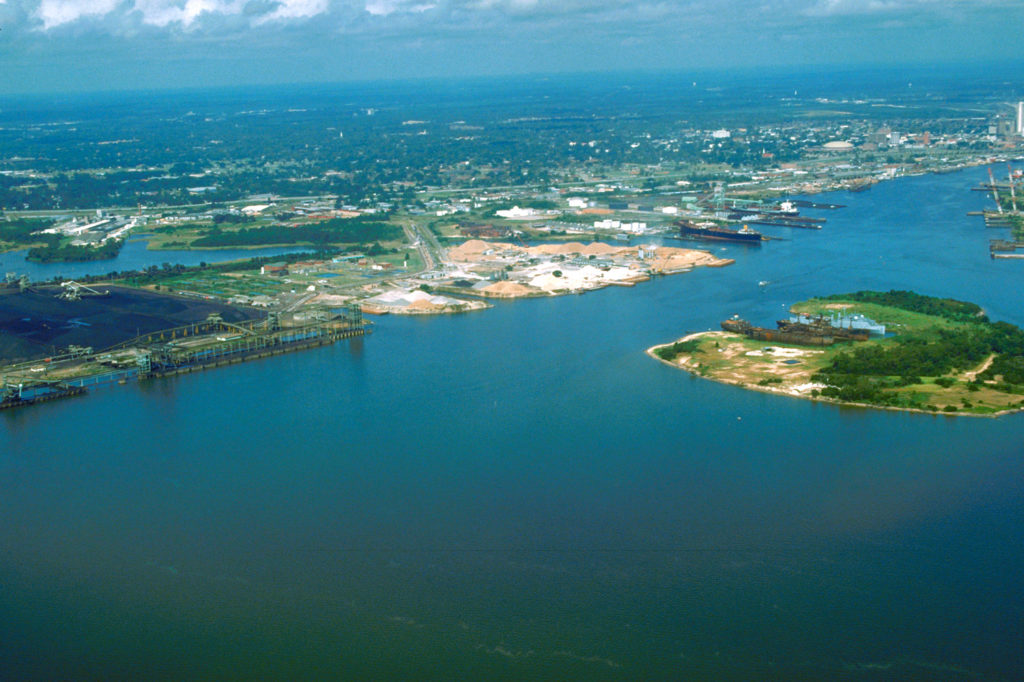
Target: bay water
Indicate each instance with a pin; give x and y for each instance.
(521, 493)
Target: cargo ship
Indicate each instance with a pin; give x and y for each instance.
(800, 203)
(779, 221)
(718, 232)
(814, 332)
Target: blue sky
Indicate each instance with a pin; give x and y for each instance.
(53, 45)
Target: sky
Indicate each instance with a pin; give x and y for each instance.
(97, 45)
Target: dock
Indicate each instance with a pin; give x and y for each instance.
(24, 394)
(1002, 248)
(211, 343)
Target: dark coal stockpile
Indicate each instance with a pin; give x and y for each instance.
(37, 323)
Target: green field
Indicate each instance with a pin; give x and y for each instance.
(951, 359)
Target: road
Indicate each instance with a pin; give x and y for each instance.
(431, 251)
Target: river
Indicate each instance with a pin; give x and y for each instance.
(133, 256)
(521, 493)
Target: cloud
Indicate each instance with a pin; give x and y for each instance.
(295, 9)
(428, 21)
(827, 8)
(57, 12)
(383, 8)
(161, 13)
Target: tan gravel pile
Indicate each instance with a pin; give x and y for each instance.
(424, 304)
(508, 290)
(670, 258)
(592, 249)
(474, 249)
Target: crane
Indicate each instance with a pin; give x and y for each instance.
(73, 291)
(995, 192)
(1013, 193)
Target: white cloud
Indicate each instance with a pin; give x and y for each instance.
(164, 12)
(825, 8)
(296, 9)
(413, 16)
(56, 12)
(383, 8)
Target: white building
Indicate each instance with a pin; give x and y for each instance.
(516, 212)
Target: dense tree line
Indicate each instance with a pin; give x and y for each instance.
(954, 349)
(863, 373)
(336, 231)
(55, 252)
(947, 308)
(678, 348)
(20, 231)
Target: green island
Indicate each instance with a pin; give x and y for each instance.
(937, 355)
(57, 252)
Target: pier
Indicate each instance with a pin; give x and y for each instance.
(203, 345)
(33, 392)
(1001, 248)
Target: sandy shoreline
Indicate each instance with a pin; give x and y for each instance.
(798, 394)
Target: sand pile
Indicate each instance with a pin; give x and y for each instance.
(669, 259)
(602, 249)
(331, 299)
(508, 290)
(424, 304)
(474, 249)
(569, 248)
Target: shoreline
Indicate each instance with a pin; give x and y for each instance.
(795, 394)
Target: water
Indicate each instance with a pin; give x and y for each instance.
(521, 493)
(133, 256)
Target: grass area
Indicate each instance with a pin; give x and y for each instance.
(226, 284)
(968, 384)
(896, 320)
(325, 277)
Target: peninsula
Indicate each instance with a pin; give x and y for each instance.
(894, 350)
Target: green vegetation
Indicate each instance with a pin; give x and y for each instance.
(19, 232)
(944, 356)
(335, 231)
(671, 351)
(54, 252)
(946, 308)
(1016, 227)
(880, 372)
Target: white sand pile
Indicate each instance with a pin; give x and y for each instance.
(549, 283)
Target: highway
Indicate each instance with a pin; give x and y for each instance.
(431, 251)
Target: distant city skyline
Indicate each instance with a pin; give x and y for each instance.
(83, 45)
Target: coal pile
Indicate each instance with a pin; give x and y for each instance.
(36, 323)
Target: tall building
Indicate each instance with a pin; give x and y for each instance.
(1020, 118)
